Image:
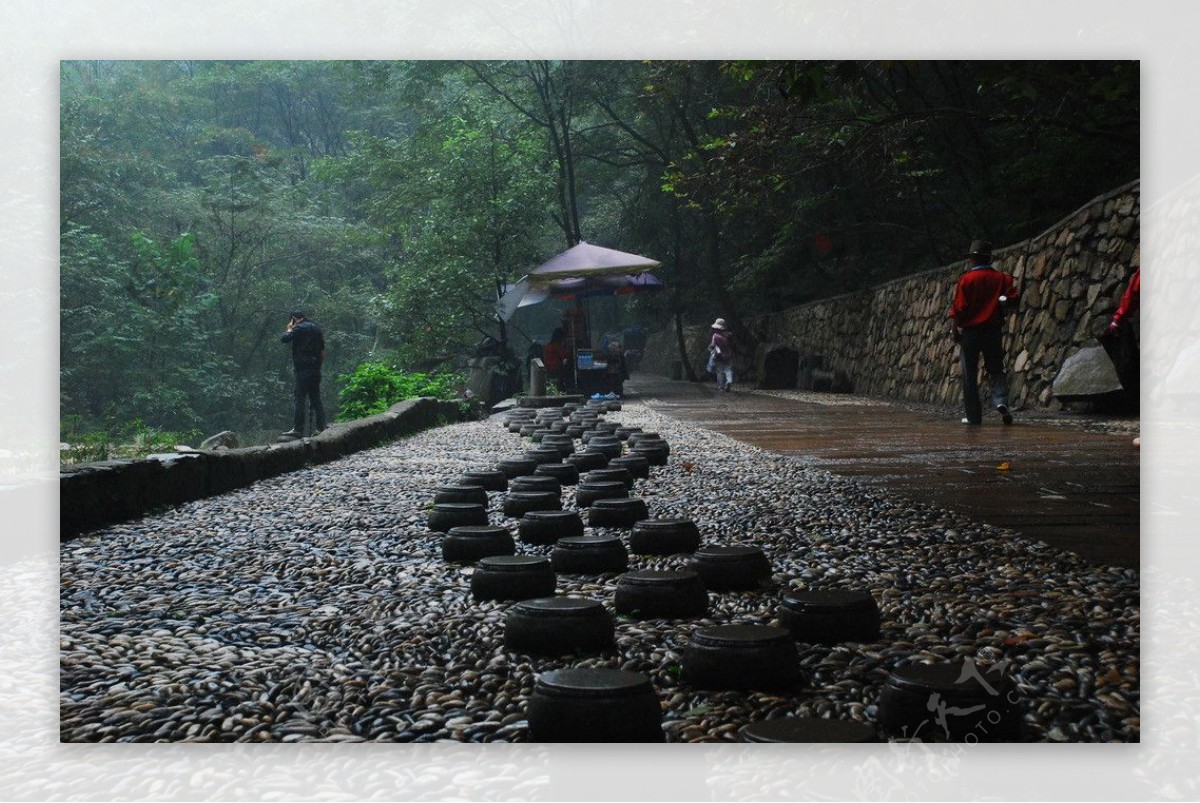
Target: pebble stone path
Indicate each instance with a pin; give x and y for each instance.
(316, 606)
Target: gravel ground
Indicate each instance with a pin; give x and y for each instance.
(317, 607)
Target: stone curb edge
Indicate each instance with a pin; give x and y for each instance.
(93, 495)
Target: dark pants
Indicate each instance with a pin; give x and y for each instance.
(985, 340)
(308, 386)
(1122, 348)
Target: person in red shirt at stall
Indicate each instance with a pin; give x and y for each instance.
(981, 298)
(556, 358)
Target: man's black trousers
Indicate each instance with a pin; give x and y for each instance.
(308, 386)
(984, 340)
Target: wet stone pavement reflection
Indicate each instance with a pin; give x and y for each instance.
(1046, 477)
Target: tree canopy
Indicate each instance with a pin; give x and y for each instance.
(203, 200)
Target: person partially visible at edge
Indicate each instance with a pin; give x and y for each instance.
(981, 298)
(308, 354)
(555, 357)
(1129, 303)
(721, 348)
(1120, 341)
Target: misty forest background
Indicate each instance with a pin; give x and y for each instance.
(203, 200)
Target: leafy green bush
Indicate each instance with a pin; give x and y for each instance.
(375, 386)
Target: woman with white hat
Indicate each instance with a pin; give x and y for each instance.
(721, 350)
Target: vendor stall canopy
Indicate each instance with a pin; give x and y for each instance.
(581, 270)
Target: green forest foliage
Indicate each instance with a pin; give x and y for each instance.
(202, 201)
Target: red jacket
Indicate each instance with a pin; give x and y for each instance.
(554, 356)
(977, 297)
(1129, 301)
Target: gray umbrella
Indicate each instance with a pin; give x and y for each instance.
(581, 261)
(586, 259)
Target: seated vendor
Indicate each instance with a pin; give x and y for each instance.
(556, 358)
(616, 371)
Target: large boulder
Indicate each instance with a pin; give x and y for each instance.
(227, 439)
(1087, 374)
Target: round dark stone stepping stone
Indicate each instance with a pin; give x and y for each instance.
(732, 568)
(624, 432)
(830, 617)
(469, 544)
(565, 473)
(635, 464)
(456, 514)
(807, 730)
(587, 460)
(594, 705)
(563, 443)
(548, 526)
(652, 442)
(653, 593)
(512, 577)
(620, 512)
(558, 626)
(610, 474)
(517, 503)
(490, 480)
(609, 445)
(586, 493)
(664, 537)
(516, 466)
(541, 455)
(634, 437)
(589, 554)
(656, 454)
(535, 482)
(758, 657)
(949, 702)
(471, 494)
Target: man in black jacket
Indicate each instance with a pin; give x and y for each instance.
(308, 352)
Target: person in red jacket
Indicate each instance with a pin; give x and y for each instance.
(1129, 302)
(556, 358)
(1120, 340)
(981, 297)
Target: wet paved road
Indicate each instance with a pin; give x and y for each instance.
(1073, 489)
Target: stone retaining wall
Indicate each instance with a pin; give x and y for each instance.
(92, 495)
(893, 340)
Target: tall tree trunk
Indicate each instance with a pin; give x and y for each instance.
(688, 372)
(681, 260)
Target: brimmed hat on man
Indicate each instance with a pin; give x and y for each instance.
(980, 248)
(719, 323)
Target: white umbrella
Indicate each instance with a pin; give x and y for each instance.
(586, 259)
(580, 261)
